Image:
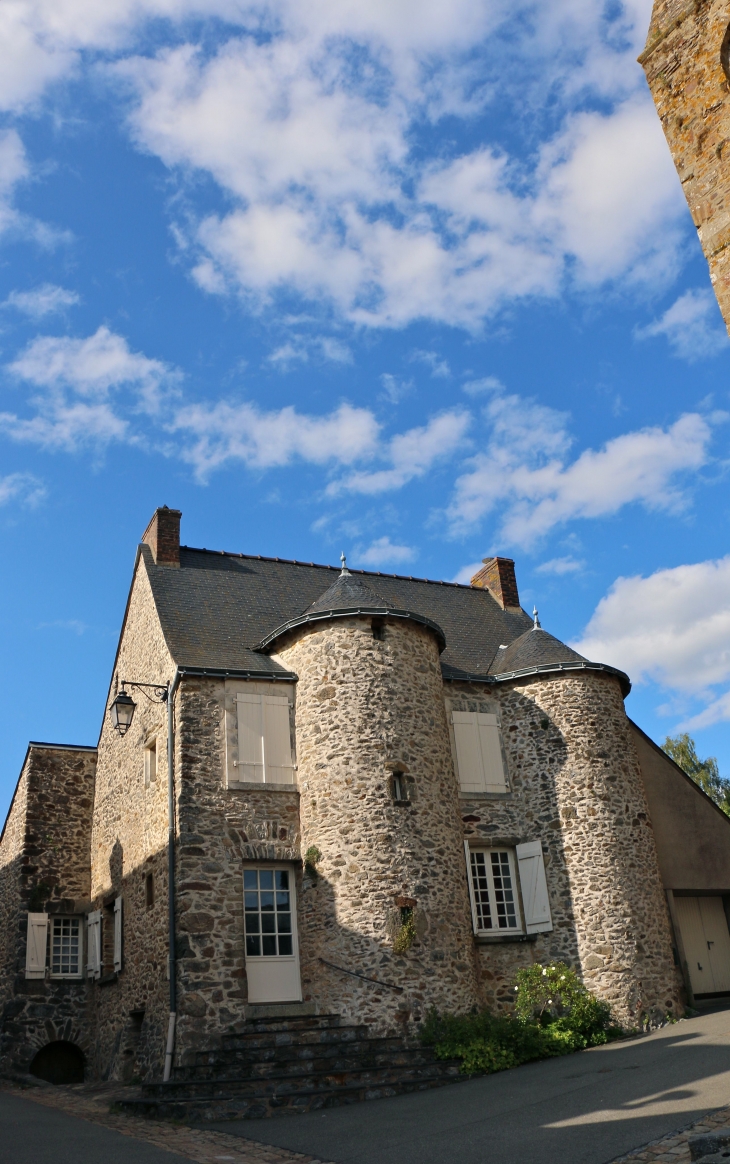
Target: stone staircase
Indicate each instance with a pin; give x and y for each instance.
(286, 1065)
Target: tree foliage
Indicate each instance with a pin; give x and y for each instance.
(706, 773)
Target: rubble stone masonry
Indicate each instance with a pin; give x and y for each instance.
(367, 707)
(576, 786)
(686, 65)
(44, 867)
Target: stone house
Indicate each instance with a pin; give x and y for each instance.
(341, 794)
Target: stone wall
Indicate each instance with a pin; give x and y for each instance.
(220, 829)
(683, 66)
(129, 841)
(366, 707)
(45, 868)
(576, 786)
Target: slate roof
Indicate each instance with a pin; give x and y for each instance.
(219, 607)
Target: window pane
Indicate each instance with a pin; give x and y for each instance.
(253, 947)
(282, 879)
(269, 947)
(267, 902)
(503, 893)
(250, 879)
(285, 944)
(266, 879)
(65, 947)
(284, 923)
(268, 923)
(252, 923)
(480, 885)
(251, 900)
(282, 902)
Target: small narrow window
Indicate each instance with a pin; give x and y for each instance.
(400, 787)
(66, 947)
(379, 629)
(149, 891)
(150, 763)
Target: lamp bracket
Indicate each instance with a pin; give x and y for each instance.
(159, 691)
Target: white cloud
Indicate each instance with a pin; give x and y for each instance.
(74, 379)
(485, 384)
(383, 552)
(216, 434)
(300, 348)
(692, 325)
(466, 573)
(439, 367)
(394, 390)
(560, 566)
(43, 300)
(672, 628)
(23, 488)
(526, 473)
(411, 454)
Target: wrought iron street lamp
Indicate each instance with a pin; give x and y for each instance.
(123, 706)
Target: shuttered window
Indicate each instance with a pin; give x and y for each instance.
(494, 878)
(66, 947)
(117, 934)
(264, 739)
(35, 950)
(534, 888)
(93, 945)
(479, 756)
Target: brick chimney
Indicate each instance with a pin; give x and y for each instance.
(497, 575)
(163, 536)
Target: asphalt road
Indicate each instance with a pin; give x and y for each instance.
(33, 1134)
(587, 1108)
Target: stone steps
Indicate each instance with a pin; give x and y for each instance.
(286, 1065)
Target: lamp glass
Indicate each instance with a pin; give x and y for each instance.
(122, 712)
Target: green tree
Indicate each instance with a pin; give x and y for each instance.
(706, 773)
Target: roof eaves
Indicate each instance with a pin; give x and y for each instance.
(233, 673)
(351, 612)
(453, 676)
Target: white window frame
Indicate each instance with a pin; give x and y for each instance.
(150, 761)
(475, 892)
(261, 770)
(480, 760)
(57, 921)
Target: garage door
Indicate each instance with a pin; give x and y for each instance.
(706, 943)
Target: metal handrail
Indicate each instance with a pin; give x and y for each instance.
(365, 977)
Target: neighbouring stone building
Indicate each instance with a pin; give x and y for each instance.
(687, 65)
(384, 794)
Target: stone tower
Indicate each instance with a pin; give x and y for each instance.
(686, 61)
(379, 802)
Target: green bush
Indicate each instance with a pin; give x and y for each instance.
(555, 1015)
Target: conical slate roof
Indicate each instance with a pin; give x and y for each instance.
(535, 648)
(346, 597)
(347, 593)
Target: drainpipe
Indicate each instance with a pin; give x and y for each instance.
(171, 870)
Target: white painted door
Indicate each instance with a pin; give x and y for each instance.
(706, 940)
(272, 949)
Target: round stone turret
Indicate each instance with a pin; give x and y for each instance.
(386, 928)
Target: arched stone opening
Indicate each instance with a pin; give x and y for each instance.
(59, 1062)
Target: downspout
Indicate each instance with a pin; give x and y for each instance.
(171, 870)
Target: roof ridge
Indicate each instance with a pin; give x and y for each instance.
(321, 566)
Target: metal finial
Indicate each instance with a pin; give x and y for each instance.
(343, 559)
(536, 625)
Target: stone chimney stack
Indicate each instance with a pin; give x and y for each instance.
(163, 536)
(497, 575)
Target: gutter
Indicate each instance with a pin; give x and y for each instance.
(171, 871)
(540, 669)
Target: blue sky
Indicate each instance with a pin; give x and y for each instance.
(416, 281)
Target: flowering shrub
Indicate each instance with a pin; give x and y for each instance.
(554, 1015)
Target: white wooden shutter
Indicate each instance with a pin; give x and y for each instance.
(117, 935)
(278, 767)
(250, 738)
(93, 945)
(479, 751)
(534, 888)
(35, 950)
